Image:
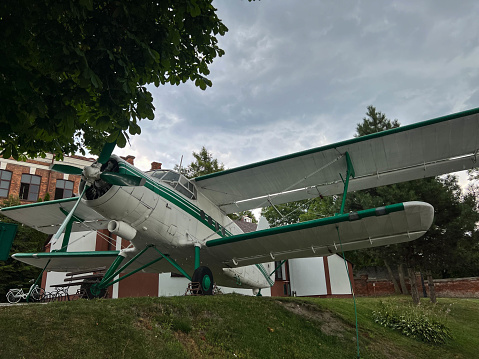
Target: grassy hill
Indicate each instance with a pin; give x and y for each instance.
(224, 326)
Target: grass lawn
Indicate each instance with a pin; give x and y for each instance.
(224, 326)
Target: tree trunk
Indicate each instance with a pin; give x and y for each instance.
(402, 280)
(412, 281)
(393, 279)
(432, 289)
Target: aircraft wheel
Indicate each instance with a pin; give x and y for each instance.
(92, 291)
(204, 276)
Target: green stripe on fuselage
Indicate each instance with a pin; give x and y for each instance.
(174, 197)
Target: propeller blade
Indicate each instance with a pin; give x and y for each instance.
(68, 218)
(106, 152)
(120, 179)
(71, 170)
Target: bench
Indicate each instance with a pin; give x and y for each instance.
(79, 278)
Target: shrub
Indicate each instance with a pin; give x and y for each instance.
(417, 322)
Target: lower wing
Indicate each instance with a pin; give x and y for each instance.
(48, 216)
(68, 261)
(364, 229)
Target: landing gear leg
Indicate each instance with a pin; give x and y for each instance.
(204, 277)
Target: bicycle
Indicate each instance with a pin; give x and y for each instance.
(35, 291)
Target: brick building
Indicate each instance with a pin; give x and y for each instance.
(32, 180)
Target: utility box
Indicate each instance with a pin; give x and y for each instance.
(7, 234)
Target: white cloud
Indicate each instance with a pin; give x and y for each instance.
(298, 75)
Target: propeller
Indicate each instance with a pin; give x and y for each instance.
(97, 179)
(103, 170)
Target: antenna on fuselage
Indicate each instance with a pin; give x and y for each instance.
(179, 167)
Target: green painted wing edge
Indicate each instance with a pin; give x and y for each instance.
(309, 224)
(343, 143)
(51, 255)
(37, 204)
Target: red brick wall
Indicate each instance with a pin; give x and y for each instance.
(47, 184)
(454, 287)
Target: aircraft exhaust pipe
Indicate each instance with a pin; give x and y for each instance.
(122, 229)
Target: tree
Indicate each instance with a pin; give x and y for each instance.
(14, 273)
(283, 214)
(74, 73)
(455, 217)
(374, 122)
(203, 164)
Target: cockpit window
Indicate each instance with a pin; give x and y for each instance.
(177, 181)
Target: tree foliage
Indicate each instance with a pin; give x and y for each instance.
(74, 73)
(203, 164)
(374, 121)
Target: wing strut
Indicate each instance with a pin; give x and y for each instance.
(112, 272)
(349, 173)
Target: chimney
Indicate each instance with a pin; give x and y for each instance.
(155, 166)
(130, 159)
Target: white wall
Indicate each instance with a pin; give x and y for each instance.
(79, 242)
(307, 276)
(338, 275)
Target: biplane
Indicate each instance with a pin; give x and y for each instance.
(173, 223)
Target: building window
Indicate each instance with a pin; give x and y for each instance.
(64, 189)
(30, 187)
(5, 179)
(280, 270)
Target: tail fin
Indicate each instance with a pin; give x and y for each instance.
(262, 224)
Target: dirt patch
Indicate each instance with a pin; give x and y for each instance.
(329, 324)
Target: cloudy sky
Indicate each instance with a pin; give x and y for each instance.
(300, 74)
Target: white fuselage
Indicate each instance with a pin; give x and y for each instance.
(159, 215)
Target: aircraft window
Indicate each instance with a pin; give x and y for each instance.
(217, 226)
(223, 231)
(184, 181)
(183, 190)
(171, 176)
(202, 214)
(159, 174)
(210, 221)
(177, 181)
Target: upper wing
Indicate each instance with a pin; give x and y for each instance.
(369, 228)
(425, 149)
(47, 217)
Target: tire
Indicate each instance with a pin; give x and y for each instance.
(204, 277)
(13, 296)
(37, 293)
(89, 294)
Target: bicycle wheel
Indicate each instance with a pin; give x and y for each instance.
(37, 293)
(14, 296)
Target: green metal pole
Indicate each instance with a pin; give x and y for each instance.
(111, 276)
(133, 272)
(114, 266)
(197, 257)
(278, 267)
(174, 264)
(38, 278)
(66, 235)
(349, 173)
